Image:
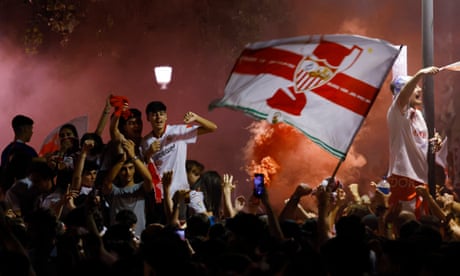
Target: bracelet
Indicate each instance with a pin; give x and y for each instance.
(134, 158)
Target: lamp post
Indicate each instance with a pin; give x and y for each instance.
(428, 84)
(163, 76)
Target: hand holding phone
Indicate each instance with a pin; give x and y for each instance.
(259, 186)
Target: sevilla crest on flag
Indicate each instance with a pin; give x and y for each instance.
(319, 68)
(324, 85)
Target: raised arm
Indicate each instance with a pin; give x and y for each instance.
(337, 203)
(168, 204)
(171, 203)
(80, 164)
(115, 134)
(104, 116)
(206, 126)
(323, 198)
(353, 187)
(227, 189)
(273, 223)
(121, 106)
(407, 90)
(435, 209)
(10, 243)
(107, 183)
(141, 168)
(290, 208)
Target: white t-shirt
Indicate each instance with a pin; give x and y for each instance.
(197, 202)
(173, 153)
(408, 143)
(15, 194)
(131, 198)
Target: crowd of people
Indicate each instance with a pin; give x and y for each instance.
(139, 205)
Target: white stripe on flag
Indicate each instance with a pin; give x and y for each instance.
(324, 85)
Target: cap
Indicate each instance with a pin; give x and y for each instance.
(398, 83)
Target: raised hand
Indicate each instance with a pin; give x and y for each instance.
(155, 146)
(190, 117)
(240, 203)
(303, 189)
(436, 142)
(166, 180)
(128, 146)
(227, 183)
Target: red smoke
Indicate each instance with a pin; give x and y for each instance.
(298, 159)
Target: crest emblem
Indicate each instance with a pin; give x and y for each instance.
(326, 61)
(311, 73)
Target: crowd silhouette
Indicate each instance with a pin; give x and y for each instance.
(137, 205)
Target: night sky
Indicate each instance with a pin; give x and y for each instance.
(54, 72)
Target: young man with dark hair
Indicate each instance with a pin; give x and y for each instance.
(123, 191)
(23, 130)
(166, 145)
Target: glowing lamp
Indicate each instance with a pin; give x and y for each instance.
(163, 76)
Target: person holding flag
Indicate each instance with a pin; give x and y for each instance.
(408, 137)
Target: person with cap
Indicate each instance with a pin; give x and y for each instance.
(408, 133)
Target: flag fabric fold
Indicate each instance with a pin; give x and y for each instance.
(51, 142)
(324, 85)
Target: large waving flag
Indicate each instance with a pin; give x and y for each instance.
(324, 85)
(51, 142)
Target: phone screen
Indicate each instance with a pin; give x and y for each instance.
(181, 233)
(258, 184)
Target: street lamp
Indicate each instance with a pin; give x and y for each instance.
(163, 76)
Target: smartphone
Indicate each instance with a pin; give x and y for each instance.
(259, 186)
(181, 233)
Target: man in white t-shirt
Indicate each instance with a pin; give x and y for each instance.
(121, 189)
(166, 145)
(408, 166)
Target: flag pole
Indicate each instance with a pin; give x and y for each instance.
(367, 112)
(428, 85)
(336, 168)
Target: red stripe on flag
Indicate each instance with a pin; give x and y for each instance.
(348, 92)
(273, 61)
(156, 181)
(51, 146)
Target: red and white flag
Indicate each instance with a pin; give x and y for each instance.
(324, 85)
(51, 142)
